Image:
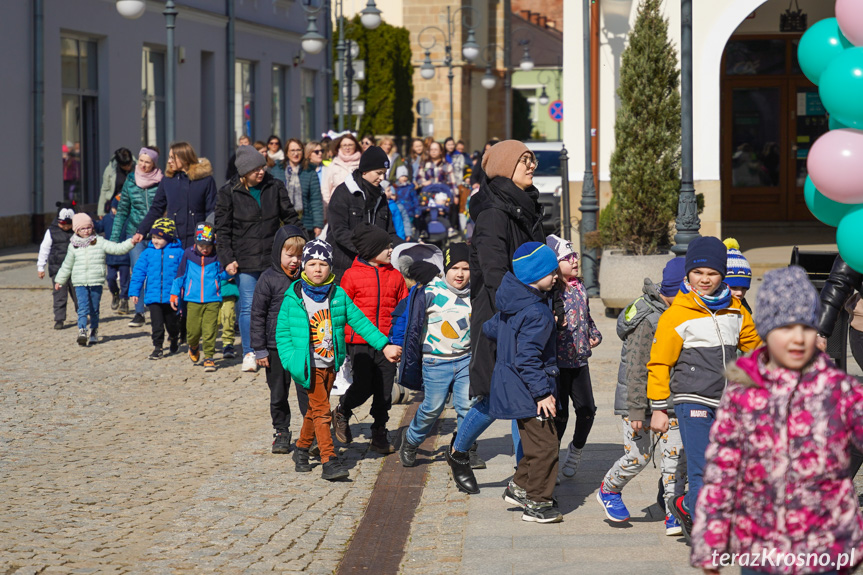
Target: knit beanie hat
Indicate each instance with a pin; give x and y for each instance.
(423, 272)
(561, 247)
(739, 272)
(248, 159)
(672, 276)
(80, 221)
(502, 158)
(455, 253)
(164, 228)
(205, 234)
(374, 158)
(401, 171)
(533, 261)
(786, 297)
(318, 250)
(706, 252)
(370, 240)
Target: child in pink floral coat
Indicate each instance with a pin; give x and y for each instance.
(777, 496)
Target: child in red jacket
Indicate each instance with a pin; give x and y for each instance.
(375, 287)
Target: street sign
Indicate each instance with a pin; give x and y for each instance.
(358, 108)
(355, 90)
(555, 111)
(424, 107)
(359, 67)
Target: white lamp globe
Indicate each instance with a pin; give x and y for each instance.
(312, 45)
(370, 16)
(427, 71)
(488, 81)
(526, 64)
(131, 9)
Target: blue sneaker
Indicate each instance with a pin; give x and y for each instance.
(672, 525)
(612, 502)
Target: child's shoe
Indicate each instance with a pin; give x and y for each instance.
(209, 364)
(333, 470)
(541, 512)
(672, 525)
(124, 307)
(683, 517)
(282, 441)
(82, 337)
(157, 353)
(137, 321)
(228, 352)
(407, 451)
(381, 441)
(612, 502)
(58, 324)
(341, 427)
(94, 336)
(249, 363)
(301, 460)
(573, 458)
(194, 354)
(175, 345)
(115, 301)
(515, 495)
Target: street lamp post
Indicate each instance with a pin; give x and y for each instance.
(470, 51)
(488, 55)
(688, 222)
(589, 205)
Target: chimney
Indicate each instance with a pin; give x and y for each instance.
(534, 18)
(543, 20)
(525, 14)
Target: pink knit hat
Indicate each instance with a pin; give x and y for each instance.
(81, 220)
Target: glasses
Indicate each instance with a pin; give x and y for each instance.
(295, 151)
(317, 151)
(571, 258)
(529, 161)
(273, 143)
(261, 169)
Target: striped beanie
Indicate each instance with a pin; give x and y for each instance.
(739, 272)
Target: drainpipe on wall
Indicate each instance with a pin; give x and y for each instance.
(328, 33)
(229, 59)
(37, 224)
(594, 90)
(507, 62)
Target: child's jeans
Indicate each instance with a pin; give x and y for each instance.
(638, 449)
(316, 422)
(537, 470)
(373, 377)
(122, 287)
(475, 422)
(227, 318)
(575, 383)
(88, 304)
(279, 382)
(202, 323)
(695, 421)
(61, 296)
(439, 376)
(163, 316)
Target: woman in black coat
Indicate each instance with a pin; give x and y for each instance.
(249, 211)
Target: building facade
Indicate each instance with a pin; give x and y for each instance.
(104, 88)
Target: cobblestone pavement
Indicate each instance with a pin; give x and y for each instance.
(112, 463)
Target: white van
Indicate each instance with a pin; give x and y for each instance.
(547, 180)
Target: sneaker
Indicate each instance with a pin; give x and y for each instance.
(407, 452)
(541, 512)
(683, 517)
(476, 462)
(115, 301)
(612, 502)
(570, 465)
(515, 495)
(333, 470)
(94, 336)
(137, 321)
(194, 354)
(282, 441)
(315, 449)
(341, 427)
(82, 337)
(209, 364)
(381, 441)
(301, 460)
(249, 363)
(124, 307)
(175, 345)
(59, 325)
(672, 525)
(228, 352)
(157, 353)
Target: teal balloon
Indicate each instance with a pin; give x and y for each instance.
(819, 46)
(836, 124)
(841, 88)
(822, 207)
(849, 238)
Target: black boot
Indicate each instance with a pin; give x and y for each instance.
(301, 460)
(115, 300)
(333, 470)
(476, 462)
(407, 452)
(124, 307)
(462, 474)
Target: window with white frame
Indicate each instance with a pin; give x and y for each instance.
(244, 99)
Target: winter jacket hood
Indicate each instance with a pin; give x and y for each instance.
(513, 296)
(376, 290)
(203, 169)
(279, 240)
(501, 193)
(199, 277)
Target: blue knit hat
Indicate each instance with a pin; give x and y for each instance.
(706, 252)
(786, 297)
(739, 272)
(672, 276)
(318, 250)
(533, 261)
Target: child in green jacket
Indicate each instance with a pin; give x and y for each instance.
(313, 317)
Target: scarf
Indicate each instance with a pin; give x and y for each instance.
(462, 293)
(79, 242)
(317, 292)
(278, 157)
(149, 179)
(295, 189)
(721, 299)
(350, 159)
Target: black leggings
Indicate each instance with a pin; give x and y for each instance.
(575, 383)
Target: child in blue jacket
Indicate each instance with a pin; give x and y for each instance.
(157, 266)
(198, 281)
(524, 380)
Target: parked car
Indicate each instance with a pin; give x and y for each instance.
(547, 180)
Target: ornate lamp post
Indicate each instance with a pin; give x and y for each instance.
(589, 204)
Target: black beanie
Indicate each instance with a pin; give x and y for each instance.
(423, 272)
(455, 253)
(370, 240)
(374, 159)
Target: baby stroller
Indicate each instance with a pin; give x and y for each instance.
(435, 204)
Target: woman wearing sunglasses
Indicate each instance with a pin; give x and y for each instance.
(312, 175)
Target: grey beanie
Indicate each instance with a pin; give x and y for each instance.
(248, 159)
(786, 297)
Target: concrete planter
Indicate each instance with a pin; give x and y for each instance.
(621, 276)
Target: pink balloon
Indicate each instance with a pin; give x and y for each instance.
(835, 165)
(849, 14)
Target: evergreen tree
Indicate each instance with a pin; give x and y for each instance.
(645, 165)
